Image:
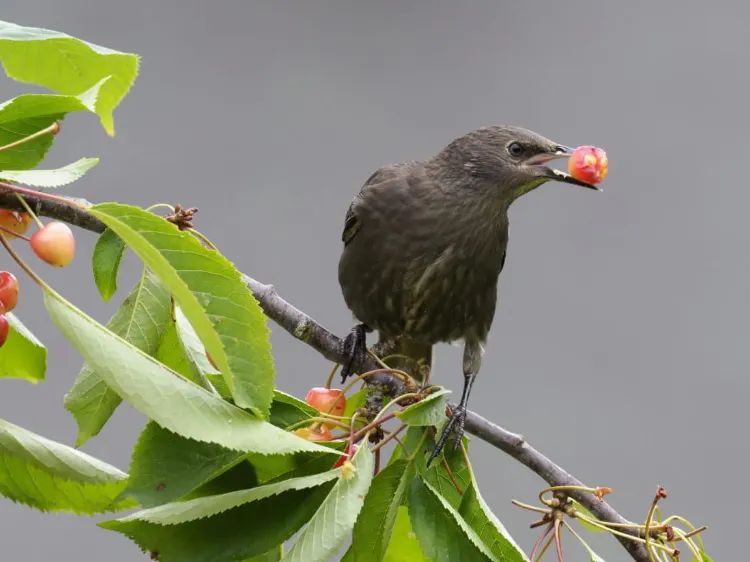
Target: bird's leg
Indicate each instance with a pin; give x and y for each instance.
(355, 350)
(472, 362)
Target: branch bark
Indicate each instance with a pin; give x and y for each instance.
(307, 330)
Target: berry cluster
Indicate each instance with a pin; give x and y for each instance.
(53, 243)
(330, 401)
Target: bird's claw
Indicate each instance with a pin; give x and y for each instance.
(455, 424)
(355, 350)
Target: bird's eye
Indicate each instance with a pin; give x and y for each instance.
(515, 149)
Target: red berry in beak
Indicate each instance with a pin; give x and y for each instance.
(589, 164)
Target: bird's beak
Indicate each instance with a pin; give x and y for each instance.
(560, 151)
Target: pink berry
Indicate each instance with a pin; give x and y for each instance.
(54, 244)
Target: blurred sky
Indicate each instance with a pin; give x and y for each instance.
(619, 347)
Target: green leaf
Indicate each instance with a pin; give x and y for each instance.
(67, 65)
(211, 293)
(238, 477)
(54, 477)
(372, 532)
(208, 506)
(488, 528)
(273, 555)
(51, 178)
(172, 354)
(404, 544)
(229, 526)
(23, 356)
(140, 320)
(330, 526)
(105, 261)
(355, 401)
(287, 410)
(271, 468)
(441, 477)
(585, 524)
(30, 113)
(428, 411)
(443, 534)
(163, 395)
(191, 344)
(165, 466)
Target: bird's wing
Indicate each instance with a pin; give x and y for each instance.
(392, 173)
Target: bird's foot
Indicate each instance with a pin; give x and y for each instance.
(455, 424)
(355, 350)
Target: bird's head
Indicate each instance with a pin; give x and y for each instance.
(511, 160)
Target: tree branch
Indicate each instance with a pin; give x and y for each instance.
(304, 328)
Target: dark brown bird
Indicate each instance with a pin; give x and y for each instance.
(425, 242)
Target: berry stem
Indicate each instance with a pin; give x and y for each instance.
(53, 129)
(363, 376)
(22, 264)
(14, 234)
(30, 211)
(332, 374)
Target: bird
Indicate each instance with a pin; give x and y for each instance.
(424, 243)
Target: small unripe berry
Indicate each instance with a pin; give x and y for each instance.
(54, 244)
(589, 164)
(14, 221)
(348, 454)
(348, 470)
(8, 290)
(312, 433)
(4, 329)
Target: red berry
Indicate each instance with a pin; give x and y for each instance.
(589, 164)
(8, 290)
(14, 221)
(4, 328)
(327, 400)
(314, 433)
(54, 244)
(348, 454)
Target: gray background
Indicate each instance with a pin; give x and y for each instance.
(619, 347)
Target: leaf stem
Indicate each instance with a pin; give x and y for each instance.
(52, 129)
(558, 541)
(530, 507)
(538, 543)
(389, 437)
(203, 238)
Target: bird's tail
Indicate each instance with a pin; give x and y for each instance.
(406, 354)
